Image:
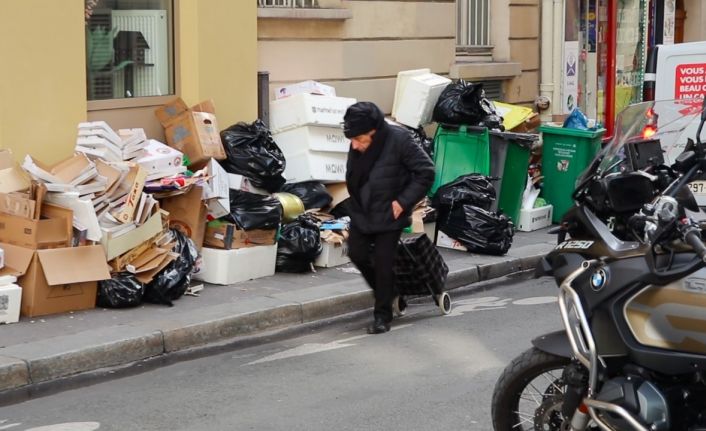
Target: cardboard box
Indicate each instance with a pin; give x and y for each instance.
(327, 167)
(234, 266)
(54, 229)
(309, 87)
(157, 157)
(443, 240)
(420, 95)
(307, 109)
(216, 191)
(403, 78)
(314, 138)
(10, 300)
(239, 182)
(227, 236)
(116, 246)
(56, 280)
(332, 254)
(188, 213)
(536, 218)
(194, 133)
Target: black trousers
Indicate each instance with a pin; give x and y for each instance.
(374, 256)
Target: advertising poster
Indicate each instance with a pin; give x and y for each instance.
(571, 76)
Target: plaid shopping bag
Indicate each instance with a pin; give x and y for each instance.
(419, 266)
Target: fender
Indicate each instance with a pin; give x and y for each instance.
(556, 343)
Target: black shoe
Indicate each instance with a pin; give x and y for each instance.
(379, 326)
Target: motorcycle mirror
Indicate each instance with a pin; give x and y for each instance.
(686, 199)
(685, 161)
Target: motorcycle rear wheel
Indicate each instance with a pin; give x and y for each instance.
(529, 393)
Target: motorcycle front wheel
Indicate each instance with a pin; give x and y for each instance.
(529, 393)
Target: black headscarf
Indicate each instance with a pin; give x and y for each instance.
(361, 118)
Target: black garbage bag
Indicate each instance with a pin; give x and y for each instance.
(254, 211)
(252, 152)
(174, 279)
(420, 138)
(341, 210)
(480, 231)
(299, 244)
(121, 291)
(471, 189)
(463, 102)
(312, 193)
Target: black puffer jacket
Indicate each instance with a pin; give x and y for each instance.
(403, 172)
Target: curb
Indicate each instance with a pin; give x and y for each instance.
(41, 362)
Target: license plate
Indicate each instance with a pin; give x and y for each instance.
(698, 187)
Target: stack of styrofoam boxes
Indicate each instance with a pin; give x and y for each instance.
(416, 94)
(307, 128)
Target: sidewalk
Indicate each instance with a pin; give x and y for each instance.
(44, 349)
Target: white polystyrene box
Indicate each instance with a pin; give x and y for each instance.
(324, 166)
(315, 138)
(10, 300)
(307, 109)
(332, 255)
(233, 266)
(420, 95)
(535, 218)
(401, 83)
(311, 87)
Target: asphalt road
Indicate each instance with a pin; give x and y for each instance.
(429, 372)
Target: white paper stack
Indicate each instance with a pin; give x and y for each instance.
(99, 141)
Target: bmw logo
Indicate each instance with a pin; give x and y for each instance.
(599, 279)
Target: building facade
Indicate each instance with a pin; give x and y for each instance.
(49, 82)
(359, 46)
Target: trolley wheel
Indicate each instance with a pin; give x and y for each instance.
(399, 306)
(444, 303)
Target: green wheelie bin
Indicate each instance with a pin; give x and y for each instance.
(566, 153)
(509, 159)
(459, 150)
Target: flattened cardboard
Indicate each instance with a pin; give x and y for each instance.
(227, 236)
(73, 265)
(187, 213)
(205, 106)
(12, 178)
(137, 176)
(53, 231)
(17, 259)
(147, 276)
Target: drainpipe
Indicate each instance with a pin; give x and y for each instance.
(558, 57)
(611, 36)
(546, 87)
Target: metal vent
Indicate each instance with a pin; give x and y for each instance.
(288, 3)
(493, 90)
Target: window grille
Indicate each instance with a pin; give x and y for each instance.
(473, 23)
(288, 3)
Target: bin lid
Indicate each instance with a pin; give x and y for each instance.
(544, 128)
(521, 139)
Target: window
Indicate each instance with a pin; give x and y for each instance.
(129, 48)
(288, 3)
(472, 24)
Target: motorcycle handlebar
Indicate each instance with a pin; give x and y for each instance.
(692, 236)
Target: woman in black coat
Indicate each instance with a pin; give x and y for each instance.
(387, 175)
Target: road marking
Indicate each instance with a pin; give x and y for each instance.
(459, 308)
(537, 300)
(69, 426)
(311, 348)
(8, 426)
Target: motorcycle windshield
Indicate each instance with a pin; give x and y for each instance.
(670, 122)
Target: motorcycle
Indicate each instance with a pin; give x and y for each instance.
(631, 269)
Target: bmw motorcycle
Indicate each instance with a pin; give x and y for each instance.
(631, 269)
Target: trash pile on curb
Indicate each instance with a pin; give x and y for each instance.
(127, 219)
